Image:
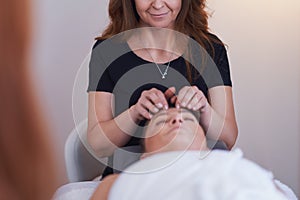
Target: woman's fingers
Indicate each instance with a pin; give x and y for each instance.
(143, 112)
(194, 102)
(173, 99)
(180, 96)
(157, 98)
(170, 92)
(150, 107)
(192, 98)
(161, 101)
(170, 95)
(199, 105)
(185, 96)
(153, 99)
(150, 102)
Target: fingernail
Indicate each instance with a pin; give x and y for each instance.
(189, 106)
(183, 104)
(177, 106)
(159, 105)
(155, 110)
(166, 107)
(195, 108)
(150, 116)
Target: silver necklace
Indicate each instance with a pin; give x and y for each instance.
(165, 73)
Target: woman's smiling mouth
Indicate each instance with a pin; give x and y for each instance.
(158, 15)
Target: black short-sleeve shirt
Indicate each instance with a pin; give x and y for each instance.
(116, 69)
(105, 72)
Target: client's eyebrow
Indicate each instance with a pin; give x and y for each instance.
(165, 113)
(159, 114)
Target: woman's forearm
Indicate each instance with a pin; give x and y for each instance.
(104, 137)
(218, 127)
(102, 191)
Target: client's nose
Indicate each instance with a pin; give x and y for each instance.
(176, 119)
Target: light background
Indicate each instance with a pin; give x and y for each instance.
(263, 38)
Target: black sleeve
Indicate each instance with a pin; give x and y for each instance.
(222, 63)
(217, 71)
(99, 77)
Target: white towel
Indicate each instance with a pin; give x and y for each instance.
(76, 191)
(189, 176)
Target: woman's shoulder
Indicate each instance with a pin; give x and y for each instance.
(213, 36)
(215, 47)
(216, 41)
(113, 43)
(98, 42)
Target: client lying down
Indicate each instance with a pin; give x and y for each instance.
(178, 165)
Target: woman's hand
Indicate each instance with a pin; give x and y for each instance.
(150, 102)
(192, 98)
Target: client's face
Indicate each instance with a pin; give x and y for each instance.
(174, 130)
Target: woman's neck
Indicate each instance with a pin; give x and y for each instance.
(160, 43)
(157, 38)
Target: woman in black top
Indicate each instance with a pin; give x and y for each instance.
(152, 53)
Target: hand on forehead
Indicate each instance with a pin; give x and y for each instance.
(173, 111)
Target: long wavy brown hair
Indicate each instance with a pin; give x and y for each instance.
(27, 168)
(192, 20)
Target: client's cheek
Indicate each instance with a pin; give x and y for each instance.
(154, 144)
(150, 145)
(155, 130)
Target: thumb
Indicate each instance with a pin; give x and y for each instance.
(170, 92)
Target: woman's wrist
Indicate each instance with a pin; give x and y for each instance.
(134, 114)
(206, 116)
(127, 121)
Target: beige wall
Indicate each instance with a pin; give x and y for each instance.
(264, 49)
(263, 37)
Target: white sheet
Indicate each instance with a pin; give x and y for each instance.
(76, 191)
(220, 175)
